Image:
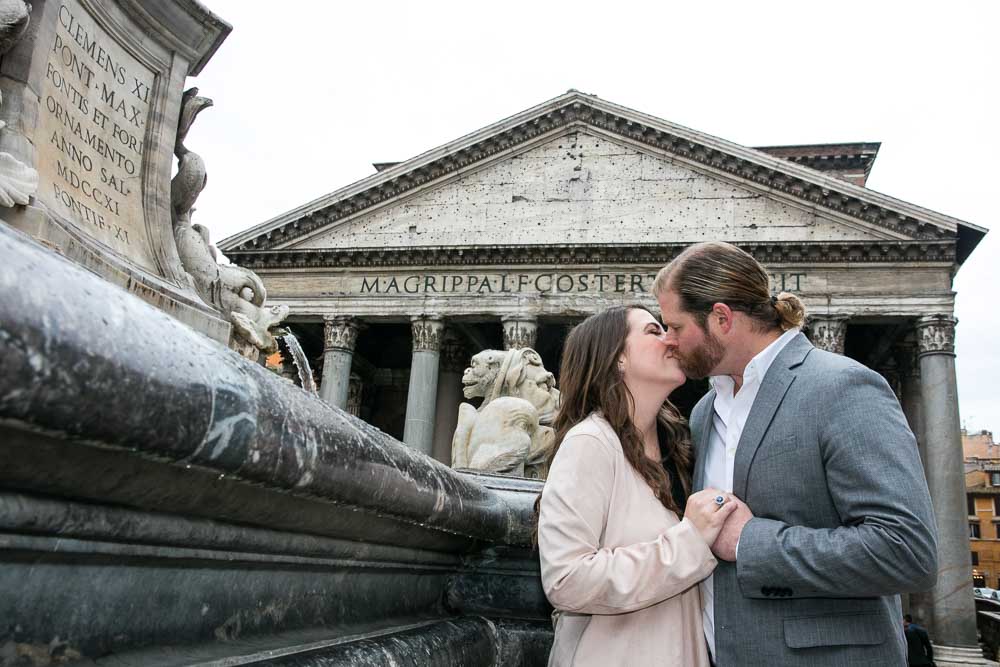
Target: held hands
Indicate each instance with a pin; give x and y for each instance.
(707, 515)
(724, 547)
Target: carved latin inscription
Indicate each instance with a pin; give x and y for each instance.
(93, 115)
(530, 283)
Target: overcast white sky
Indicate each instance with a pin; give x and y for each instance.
(309, 95)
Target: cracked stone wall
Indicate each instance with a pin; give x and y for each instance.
(582, 187)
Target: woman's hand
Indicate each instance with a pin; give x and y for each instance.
(707, 515)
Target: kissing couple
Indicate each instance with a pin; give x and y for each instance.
(778, 530)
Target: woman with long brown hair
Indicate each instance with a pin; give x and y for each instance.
(621, 543)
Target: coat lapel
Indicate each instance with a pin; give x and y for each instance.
(701, 446)
(772, 392)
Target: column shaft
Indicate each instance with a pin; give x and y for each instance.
(421, 397)
(953, 606)
(454, 359)
(910, 399)
(340, 335)
(920, 604)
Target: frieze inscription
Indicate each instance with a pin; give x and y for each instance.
(529, 283)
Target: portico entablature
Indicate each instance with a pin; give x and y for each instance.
(877, 290)
(474, 309)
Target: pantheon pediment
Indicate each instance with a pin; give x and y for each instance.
(581, 172)
(584, 187)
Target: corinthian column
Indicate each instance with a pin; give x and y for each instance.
(919, 604)
(454, 359)
(339, 336)
(908, 367)
(519, 332)
(827, 332)
(953, 609)
(418, 432)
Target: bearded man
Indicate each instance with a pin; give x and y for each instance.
(835, 518)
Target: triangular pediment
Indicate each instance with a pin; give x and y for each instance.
(584, 187)
(580, 170)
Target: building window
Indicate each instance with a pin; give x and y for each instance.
(995, 479)
(975, 558)
(996, 505)
(974, 530)
(971, 504)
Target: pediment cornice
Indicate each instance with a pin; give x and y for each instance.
(654, 254)
(753, 167)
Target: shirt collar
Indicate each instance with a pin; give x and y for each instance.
(758, 366)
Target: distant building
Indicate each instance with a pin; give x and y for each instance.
(980, 445)
(982, 483)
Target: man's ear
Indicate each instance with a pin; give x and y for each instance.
(722, 316)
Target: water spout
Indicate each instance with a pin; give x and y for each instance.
(291, 343)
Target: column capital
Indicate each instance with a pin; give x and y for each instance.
(426, 333)
(519, 331)
(936, 335)
(340, 332)
(827, 332)
(454, 353)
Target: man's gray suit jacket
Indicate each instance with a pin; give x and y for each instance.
(843, 521)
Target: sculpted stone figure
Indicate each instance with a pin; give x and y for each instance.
(18, 181)
(510, 431)
(235, 291)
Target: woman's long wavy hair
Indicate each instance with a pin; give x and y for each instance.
(590, 381)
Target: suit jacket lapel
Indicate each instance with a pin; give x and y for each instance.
(701, 446)
(772, 392)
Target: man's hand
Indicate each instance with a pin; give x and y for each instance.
(724, 547)
(707, 515)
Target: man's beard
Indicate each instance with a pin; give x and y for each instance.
(700, 362)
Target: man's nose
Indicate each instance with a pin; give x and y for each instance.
(670, 342)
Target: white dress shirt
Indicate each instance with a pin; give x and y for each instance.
(731, 409)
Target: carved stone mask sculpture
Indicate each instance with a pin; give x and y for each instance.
(509, 433)
(479, 377)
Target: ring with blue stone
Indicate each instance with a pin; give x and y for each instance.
(720, 500)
